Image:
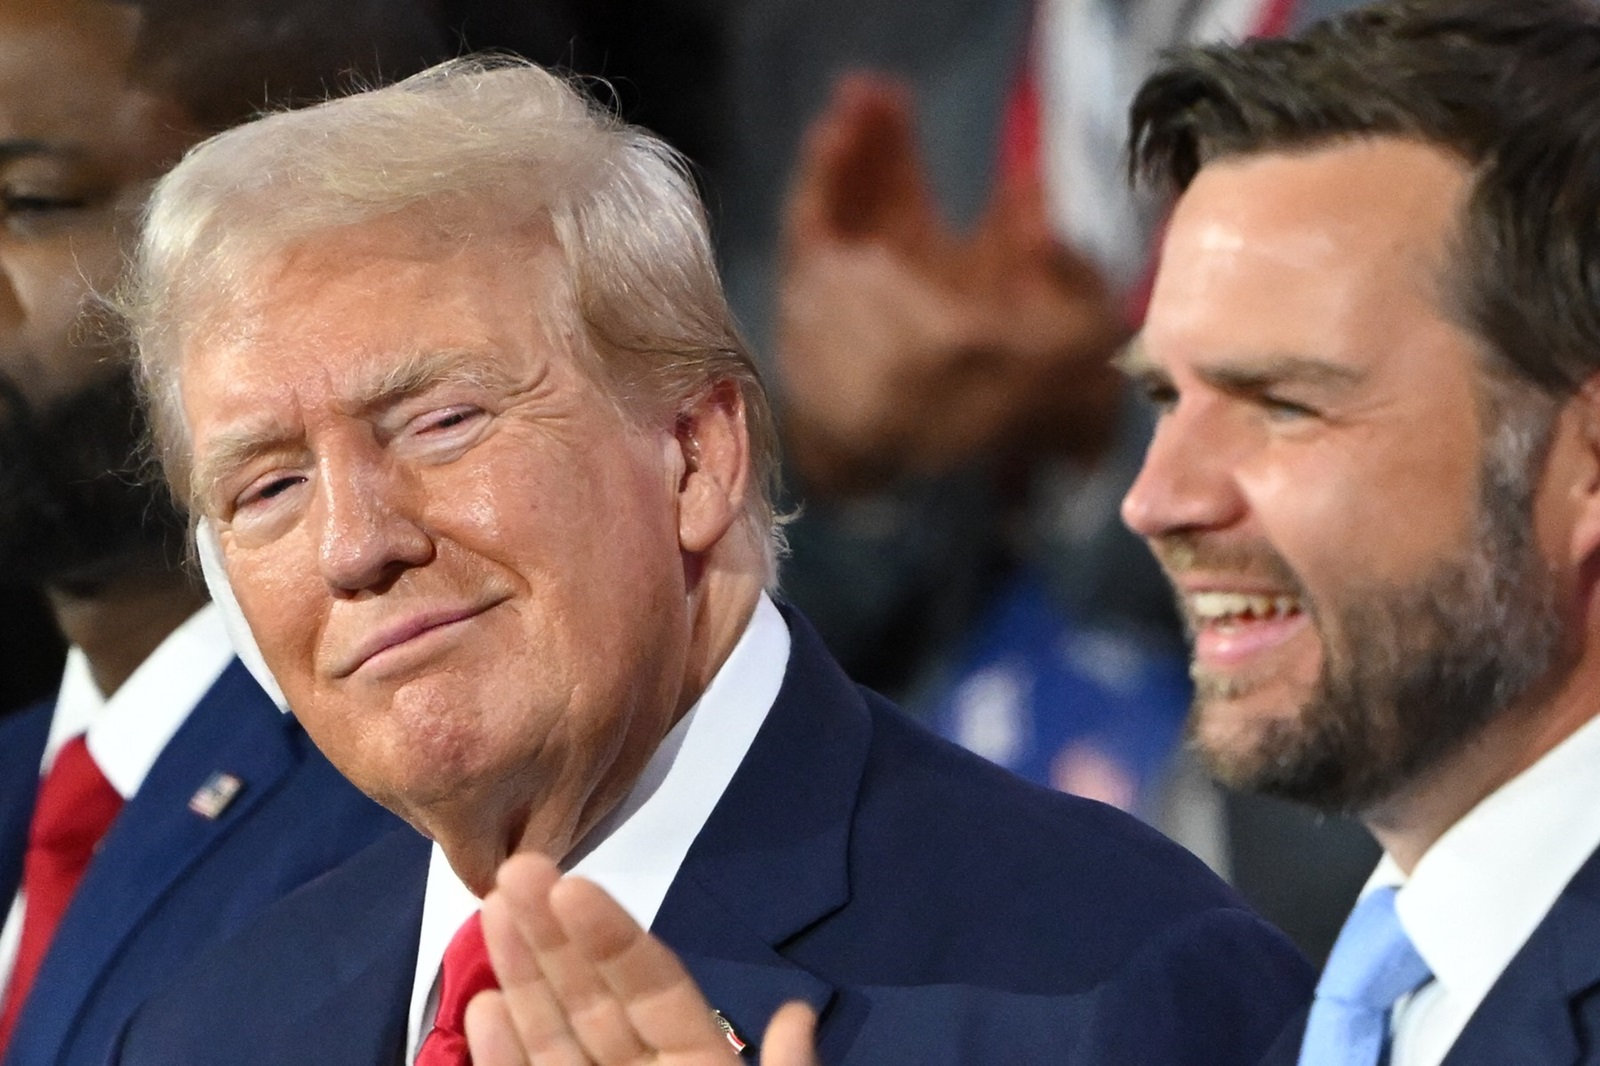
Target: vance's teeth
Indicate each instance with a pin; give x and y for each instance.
(1239, 606)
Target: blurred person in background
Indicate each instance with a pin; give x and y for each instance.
(160, 798)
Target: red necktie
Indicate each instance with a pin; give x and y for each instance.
(76, 806)
(466, 973)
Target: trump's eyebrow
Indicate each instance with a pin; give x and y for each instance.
(364, 394)
(417, 372)
(232, 448)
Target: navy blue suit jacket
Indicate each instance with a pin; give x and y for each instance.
(1545, 1008)
(936, 909)
(167, 881)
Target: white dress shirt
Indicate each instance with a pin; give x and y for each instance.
(635, 851)
(1477, 895)
(126, 733)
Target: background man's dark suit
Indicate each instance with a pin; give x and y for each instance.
(167, 881)
(938, 909)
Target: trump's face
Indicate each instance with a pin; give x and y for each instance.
(1355, 546)
(461, 561)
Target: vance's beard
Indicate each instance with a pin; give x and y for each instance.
(1410, 673)
(75, 509)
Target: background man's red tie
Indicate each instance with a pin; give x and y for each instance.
(466, 973)
(76, 806)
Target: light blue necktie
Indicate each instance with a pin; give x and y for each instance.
(1372, 965)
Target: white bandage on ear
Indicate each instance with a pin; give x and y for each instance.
(244, 643)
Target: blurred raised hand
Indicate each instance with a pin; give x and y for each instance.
(581, 983)
(907, 348)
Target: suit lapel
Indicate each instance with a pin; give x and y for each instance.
(773, 858)
(739, 972)
(22, 740)
(157, 839)
(355, 954)
(1528, 1015)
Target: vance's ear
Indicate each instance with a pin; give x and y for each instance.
(1581, 468)
(716, 466)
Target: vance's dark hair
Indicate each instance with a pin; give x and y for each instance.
(1510, 86)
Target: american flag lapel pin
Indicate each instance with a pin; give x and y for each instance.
(213, 797)
(726, 1026)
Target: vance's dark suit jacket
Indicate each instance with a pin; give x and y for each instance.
(936, 908)
(167, 881)
(1545, 1008)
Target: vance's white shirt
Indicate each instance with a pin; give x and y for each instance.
(126, 733)
(635, 851)
(1477, 895)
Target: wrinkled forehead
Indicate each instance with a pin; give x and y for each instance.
(377, 291)
(357, 314)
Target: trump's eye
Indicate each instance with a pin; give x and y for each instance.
(449, 418)
(266, 489)
(442, 433)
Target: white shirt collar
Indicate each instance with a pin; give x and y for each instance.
(126, 733)
(636, 850)
(1496, 872)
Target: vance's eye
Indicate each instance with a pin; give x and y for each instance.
(1280, 409)
(1161, 395)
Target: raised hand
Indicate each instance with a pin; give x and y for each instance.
(904, 347)
(582, 983)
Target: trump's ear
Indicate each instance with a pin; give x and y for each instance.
(715, 449)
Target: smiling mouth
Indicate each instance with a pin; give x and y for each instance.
(392, 642)
(1232, 610)
(1230, 630)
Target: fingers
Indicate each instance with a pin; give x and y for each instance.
(654, 990)
(491, 1033)
(569, 1014)
(581, 982)
(790, 1040)
(531, 1009)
